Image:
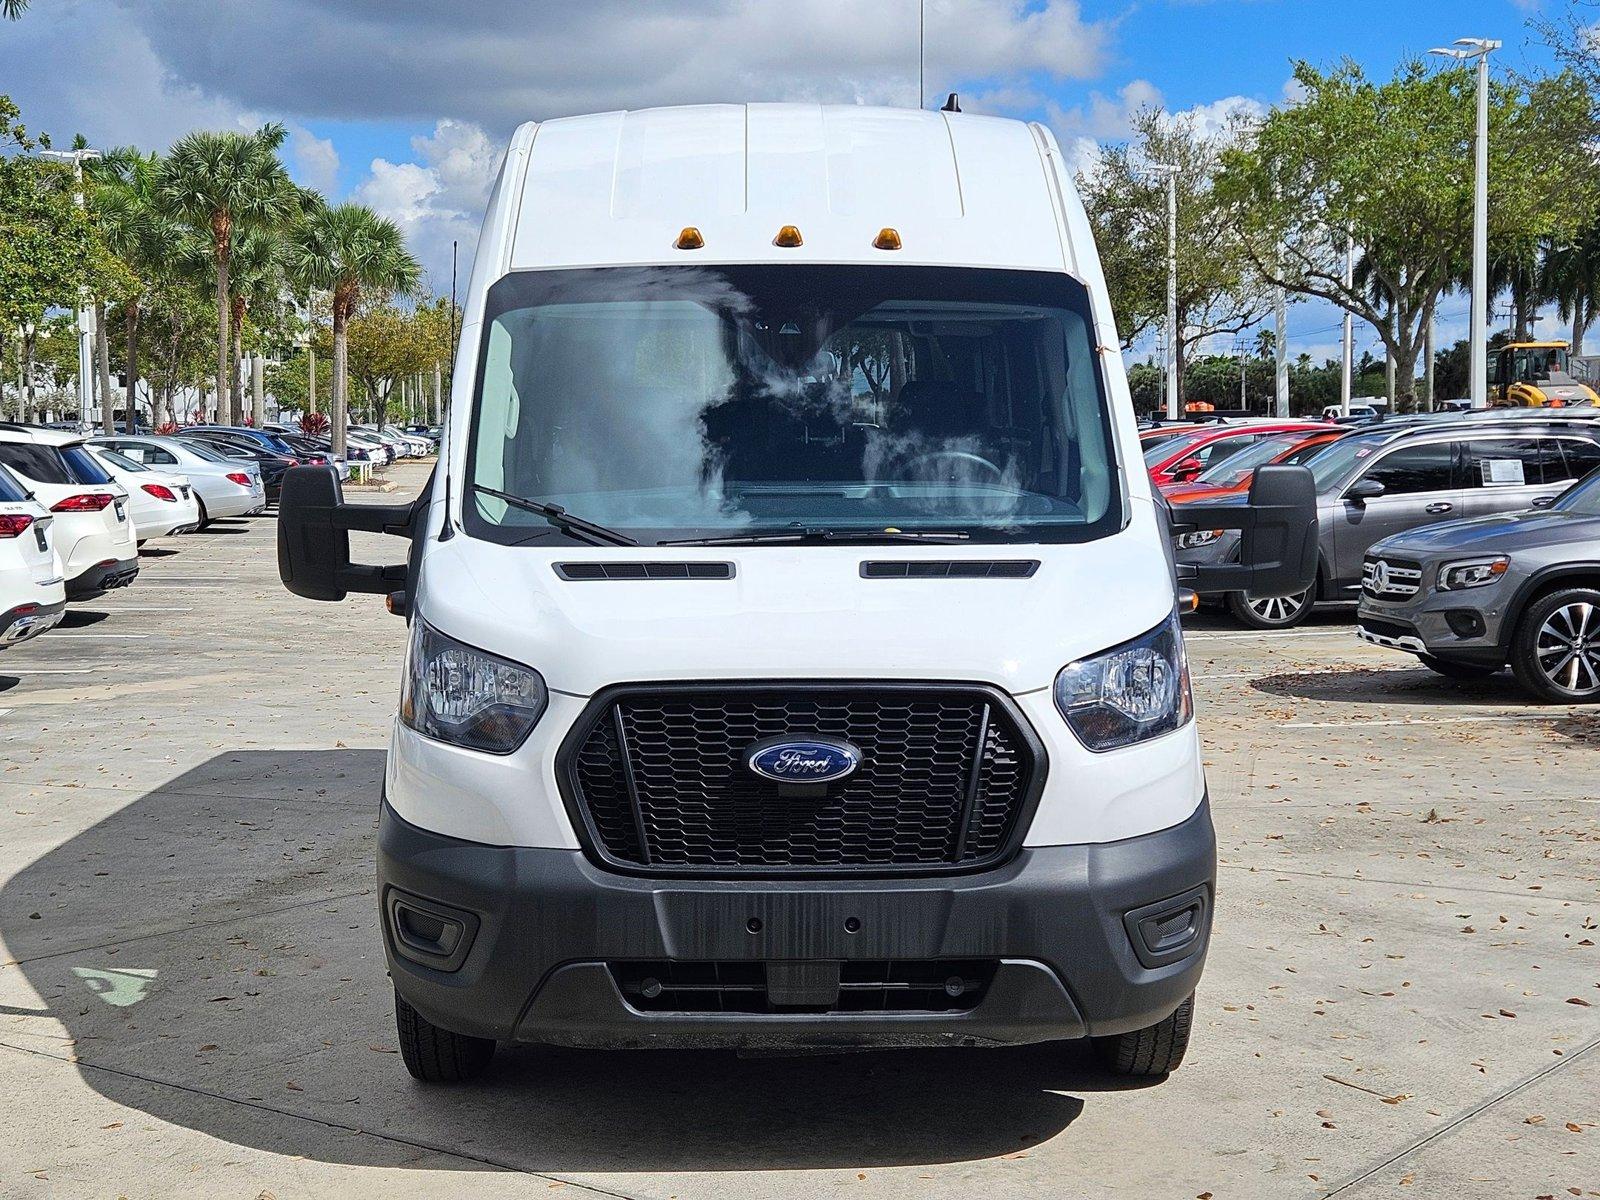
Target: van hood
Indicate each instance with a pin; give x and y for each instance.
(797, 612)
(1501, 533)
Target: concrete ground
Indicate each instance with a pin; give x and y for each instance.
(1403, 995)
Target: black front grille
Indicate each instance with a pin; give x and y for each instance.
(659, 778)
(931, 985)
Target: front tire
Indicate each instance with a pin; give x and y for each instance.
(1151, 1052)
(205, 517)
(1456, 670)
(436, 1055)
(1278, 612)
(1555, 653)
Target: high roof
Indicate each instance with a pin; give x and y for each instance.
(618, 188)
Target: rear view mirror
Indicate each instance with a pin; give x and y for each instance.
(314, 525)
(1278, 546)
(1363, 490)
(1187, 469)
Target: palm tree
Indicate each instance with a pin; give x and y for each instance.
(347, 250)
(218, 181)
(12, 10)
(135, 228)
(1572, 279)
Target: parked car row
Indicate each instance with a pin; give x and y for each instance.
(74, 510)
(1470, 540)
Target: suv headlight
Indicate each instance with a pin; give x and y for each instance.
(1472, 572)
(1135, 691)
(462, 696)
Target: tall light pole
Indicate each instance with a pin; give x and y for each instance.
(85, 312)
(1170, 170)
(1280, 353)
(1348, 356)
(1465, 50)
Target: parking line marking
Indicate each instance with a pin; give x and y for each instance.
(75, 634)
(1553, 715)
(47, 670)
(155, 609)
(1270, 635)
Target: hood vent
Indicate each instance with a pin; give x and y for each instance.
(582, 572)
(953, 568)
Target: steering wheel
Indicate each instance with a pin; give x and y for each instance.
(923, 470)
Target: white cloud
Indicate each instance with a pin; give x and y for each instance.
(437, 200)
(1084, 128)
(314, 160)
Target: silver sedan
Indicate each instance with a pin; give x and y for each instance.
(225, 487)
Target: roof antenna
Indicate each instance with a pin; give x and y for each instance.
(952, 104)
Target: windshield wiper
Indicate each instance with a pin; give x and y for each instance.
(560, 518)
(826, 535)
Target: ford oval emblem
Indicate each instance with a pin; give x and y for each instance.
(803, 760)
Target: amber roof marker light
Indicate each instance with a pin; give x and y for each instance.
(690, 239)
(788, 236)
(887, 239)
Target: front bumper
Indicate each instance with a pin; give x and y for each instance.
(1462, 626)
(1079, 938)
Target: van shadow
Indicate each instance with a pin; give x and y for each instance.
(219, 936)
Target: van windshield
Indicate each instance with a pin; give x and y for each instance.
(677, 402)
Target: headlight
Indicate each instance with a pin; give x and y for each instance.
(1203, 537)
(1136, 691)
(463, 696)
(1472, 572)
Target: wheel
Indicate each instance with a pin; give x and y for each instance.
(205, 517)
(1277, 612)
(436, 1055)
(1555, 653)
(1154, 1050)
(1456, 670)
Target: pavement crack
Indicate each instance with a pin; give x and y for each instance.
(1461, 1119)
(1467, 889)
(263, 1106)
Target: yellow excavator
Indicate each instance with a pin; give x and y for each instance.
(1536, 375)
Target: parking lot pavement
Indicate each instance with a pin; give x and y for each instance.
(1404, 988)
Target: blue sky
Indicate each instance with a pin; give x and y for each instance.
(405, 104)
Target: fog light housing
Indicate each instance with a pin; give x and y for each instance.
(429, 933)
(1170, 929)
(1464, 622)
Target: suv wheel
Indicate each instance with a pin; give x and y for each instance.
(436, 1055)
(1456, 670)
(1152, 1051)
(1555, 653)
(1276, 612)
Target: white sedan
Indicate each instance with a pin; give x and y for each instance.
(225, 487)
(160, 504)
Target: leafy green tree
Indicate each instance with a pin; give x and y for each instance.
(1388, 166)
(1220, 291)
(221, 182)
(349, 250)
(1570, 275)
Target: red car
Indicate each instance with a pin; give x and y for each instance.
(1182, 459)
(1232, 474)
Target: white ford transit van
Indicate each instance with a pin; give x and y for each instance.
(794, 645)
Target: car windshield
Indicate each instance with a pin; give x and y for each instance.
(1239, 465)
(1330, 465)
(1582, 497)
(202, 452)
(12, 489)
(1168, 447)
(121, 461)
(82, 465)
(679, 402)
(217, 451)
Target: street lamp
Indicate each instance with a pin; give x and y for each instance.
(85, 313)
(1170, 170)
(1465, 50)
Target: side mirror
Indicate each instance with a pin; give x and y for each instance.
(1187, 470)
(1278, 546)
(1363, 490)
(314, 525)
